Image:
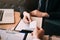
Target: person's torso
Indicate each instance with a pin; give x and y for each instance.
(52, 6)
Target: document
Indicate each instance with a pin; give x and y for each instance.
(8, 16)
(11, 35)
(29, 37)
(24, 26)
(31, 26)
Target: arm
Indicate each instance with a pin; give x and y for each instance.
(53, 9)
(28, 6)
(53, 15)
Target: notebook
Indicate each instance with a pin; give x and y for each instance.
(8, 16)
(31, 26)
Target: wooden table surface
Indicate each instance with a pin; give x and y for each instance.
(11, 26)
(17, 19)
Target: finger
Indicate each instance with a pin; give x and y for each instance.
(45, 15)
(41, 28)
(29, 17)
(38, 28)
(30, 20)
(32, 33)
(25, 20)
(41, 31)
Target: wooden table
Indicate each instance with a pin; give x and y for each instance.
(17, 18)
(11, 26)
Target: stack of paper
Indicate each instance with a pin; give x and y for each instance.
(11, 35)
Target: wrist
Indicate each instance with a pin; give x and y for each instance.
(25, 13)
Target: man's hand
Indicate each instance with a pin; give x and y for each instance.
(39, 14)
(38, 33)
(26, 18)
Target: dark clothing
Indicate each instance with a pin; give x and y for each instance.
(53, 9)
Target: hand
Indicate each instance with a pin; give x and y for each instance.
(0, 37)
(39, 14)
(26, 18)
(38, 33)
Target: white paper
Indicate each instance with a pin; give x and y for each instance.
(10, 35)
(8, 16)
(23, 26)
(38, 20)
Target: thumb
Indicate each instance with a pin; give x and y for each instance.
(38, 28)
(29, 18)
(45, 14)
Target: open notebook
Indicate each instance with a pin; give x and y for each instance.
(23, 26)
(8, 16)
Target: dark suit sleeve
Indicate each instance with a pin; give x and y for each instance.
(28, 6)
(53, 9)
(54, 15)
(22, 9)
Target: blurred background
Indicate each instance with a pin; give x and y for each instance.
(15, 4)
